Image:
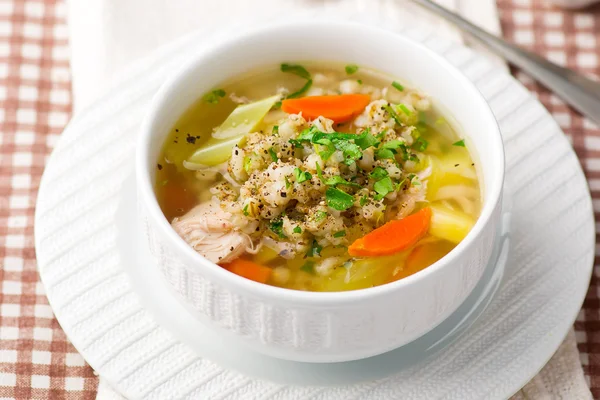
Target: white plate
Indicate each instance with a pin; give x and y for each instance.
(80, 255)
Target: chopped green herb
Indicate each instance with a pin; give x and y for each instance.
(384, 154)
(275, 130)
(314, 250)
(364, 200)
(351, 69)
(301, 91)
(378, 173)
(300, 71)
(400, 184)
(338, 180)
(297, 230)
(393, 114)
(339, 234)
(351, 151)
(287, 182)
(420, 144)
(383, 187)
(214, 96)
(308, 267)
(398, 86)
(405, 109)
(302, 176)
(320, 216)
(334, 180)
(338, 200)
(273, 155)
(460, 143)
(366, 139)
(276, 227)
(248, 162)
(246, 210)
(359, 81)
(296, 69)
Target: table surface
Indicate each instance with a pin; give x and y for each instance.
(36, 358)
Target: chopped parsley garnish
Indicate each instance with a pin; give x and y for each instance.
(273, 155)
(296, 69)
(359, 81)
(246, 210)
(320, 216)
(300, 71)
(287, 182)
(334, 180)
(364, 200)
(302, 176)
(301, 91)
(351, 151)
(351, 69)
(314, 250)
(308, 267)
(391, 148)
(378, 173)
(276, 227)
(398, 86)
(214, 96)
(339, 234)
(394, 144)
(420, 144)
(297, 230)
(460, 143)
(405, 109)
(383, 187)
(338, 200)
(393, 114)
(275, 130)
(366, 139)
(384, 154)
(248, 162)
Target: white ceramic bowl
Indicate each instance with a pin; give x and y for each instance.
(323, 327)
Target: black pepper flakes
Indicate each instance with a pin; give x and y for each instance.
(159, 166)
(283, 194)
(456, 165)
(176, 130)
(190, 139)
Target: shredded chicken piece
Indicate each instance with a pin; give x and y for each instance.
(207, 228)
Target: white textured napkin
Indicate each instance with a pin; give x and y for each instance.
(107, 35)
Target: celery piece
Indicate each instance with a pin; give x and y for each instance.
(245, 118)
(214, 152)
(448, 224)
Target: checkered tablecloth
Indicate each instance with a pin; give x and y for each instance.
(36, 359)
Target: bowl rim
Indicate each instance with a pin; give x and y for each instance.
(258, 290)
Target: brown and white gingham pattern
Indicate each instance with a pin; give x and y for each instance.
(36, 359)
(570, 39)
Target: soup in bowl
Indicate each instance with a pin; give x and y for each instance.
(318, 177)
(323, 203)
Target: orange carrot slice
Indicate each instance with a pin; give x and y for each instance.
(339, 108)
(392, 237)
(422, 257)
(249, 270)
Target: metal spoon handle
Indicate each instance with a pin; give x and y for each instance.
(577, 90)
